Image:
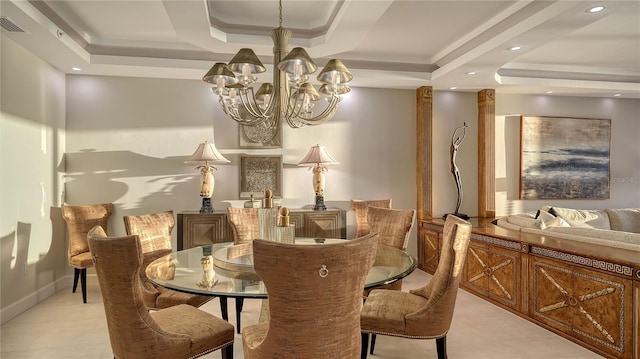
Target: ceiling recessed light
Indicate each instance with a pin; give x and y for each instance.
(548, 92)
(471, 73)
(595, 9)
(76, 69)
(516, 48)
(618, 95)
(452, 88)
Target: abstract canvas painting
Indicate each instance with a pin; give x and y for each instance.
(564, 158)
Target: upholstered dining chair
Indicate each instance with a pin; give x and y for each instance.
(423, 313)
(154, 231)
(315, 297)
(245, 227)
(394, 227)
(360, 209)
(244, 223)
(80, 219)
(180, 331)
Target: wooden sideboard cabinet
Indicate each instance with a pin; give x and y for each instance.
(594, 307)
(588, 293)
(429, 242)
(198, 229)
(492, 270)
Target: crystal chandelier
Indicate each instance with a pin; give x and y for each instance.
(290, 96)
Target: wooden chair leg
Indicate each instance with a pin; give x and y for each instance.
(441, 347)
(373, 343)
(365, 346)
(76, 276)
(227, 352)
(83, 284)
(239, 305)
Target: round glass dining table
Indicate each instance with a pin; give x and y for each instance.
(231, 272)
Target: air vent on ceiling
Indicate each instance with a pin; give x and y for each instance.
(8, 24)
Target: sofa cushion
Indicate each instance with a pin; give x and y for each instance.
(603, 237)
(602, 234)
(625, 219)
(502, 222)
(583, 218)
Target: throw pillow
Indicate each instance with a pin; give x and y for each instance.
(557, 222)
(582, 218)
(526, 222)
(546, 216)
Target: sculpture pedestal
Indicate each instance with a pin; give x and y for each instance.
(459, 215)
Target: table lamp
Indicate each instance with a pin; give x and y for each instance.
(318, 159)
(207, 153)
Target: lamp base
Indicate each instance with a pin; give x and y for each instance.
(206, 205)
(319, 206)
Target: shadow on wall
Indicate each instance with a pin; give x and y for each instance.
(52, 265)
(14, 249)
(14, 258)
(107, 176)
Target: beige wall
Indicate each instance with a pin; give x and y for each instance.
(625, 148)
(33, 251)
(127, 139)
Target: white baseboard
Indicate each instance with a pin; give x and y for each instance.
(22, 305)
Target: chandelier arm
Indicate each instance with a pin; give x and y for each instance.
(289, 110)
(323, 117)
(250, 105)
(233, 113)
(295, 123)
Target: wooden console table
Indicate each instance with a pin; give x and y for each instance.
(587, 293)
(198, 229)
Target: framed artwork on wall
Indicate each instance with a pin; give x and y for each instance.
(564, 158)
(259, 173)
(260, 136)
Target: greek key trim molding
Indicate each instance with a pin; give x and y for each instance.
(589, 262)
(496, 241)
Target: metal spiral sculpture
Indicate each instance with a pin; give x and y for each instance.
(456, 141)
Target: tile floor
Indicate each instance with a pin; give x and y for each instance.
(62, 327)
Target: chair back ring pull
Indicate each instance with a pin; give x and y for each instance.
(323, 271)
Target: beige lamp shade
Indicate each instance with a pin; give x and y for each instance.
(207, 152)
(318, 156)
(319, 159)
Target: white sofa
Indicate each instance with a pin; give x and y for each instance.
(610, 227)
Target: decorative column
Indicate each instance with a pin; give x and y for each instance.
(424, 133)
(486, 153)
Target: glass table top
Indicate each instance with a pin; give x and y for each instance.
(234, 275)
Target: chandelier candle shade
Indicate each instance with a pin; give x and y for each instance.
(208, 154)
(290, 96)
(318, 159)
